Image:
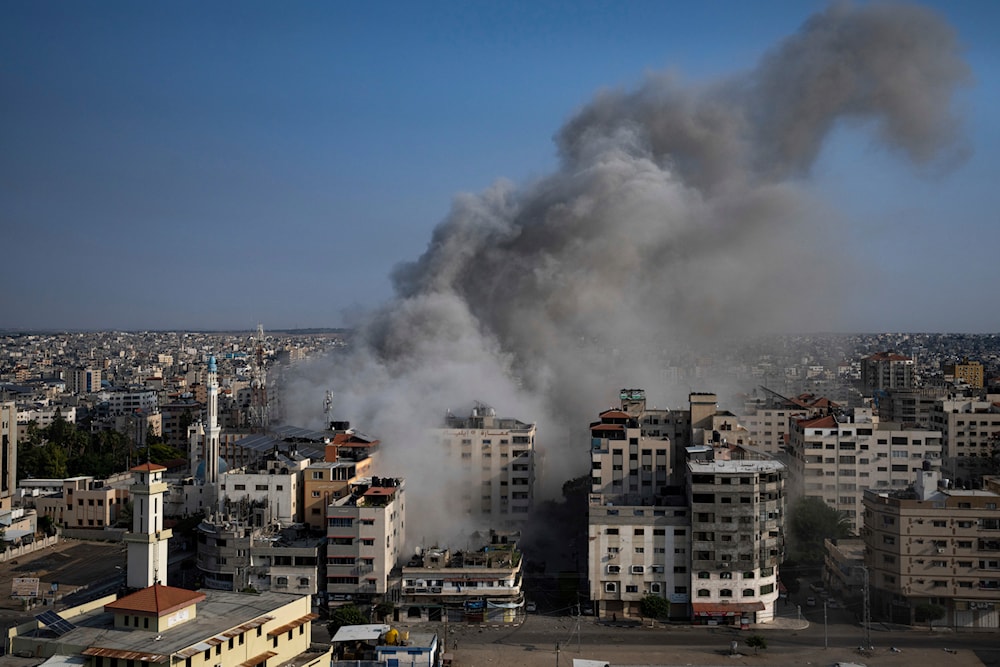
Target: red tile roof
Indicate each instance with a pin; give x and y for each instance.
(819, 422)
(148, 467)
(156, 599)
(598, 426)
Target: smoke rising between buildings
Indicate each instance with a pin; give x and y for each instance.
(680, 215)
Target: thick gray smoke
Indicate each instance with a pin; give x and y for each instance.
(679, 215)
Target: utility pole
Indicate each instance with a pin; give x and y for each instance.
(557, 654)
(867, 609)
(826, 634)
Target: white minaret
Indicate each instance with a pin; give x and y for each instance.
(212, 434)
(147, 541)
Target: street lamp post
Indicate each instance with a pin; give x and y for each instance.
(826, 634)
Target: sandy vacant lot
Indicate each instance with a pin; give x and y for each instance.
(70, 563)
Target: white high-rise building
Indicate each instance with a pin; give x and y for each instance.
(497, 459)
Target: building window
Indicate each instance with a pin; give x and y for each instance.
(748, 592)
(610, 587)
(704, 593)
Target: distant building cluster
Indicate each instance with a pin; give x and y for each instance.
(686, 504)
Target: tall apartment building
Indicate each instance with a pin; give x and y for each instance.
(124, 402)
(837, 457)
(936, 545)
(964, 372)
(669, 426)
(638, 520)
(909, 406)
(497, 458)
(737, 510)
(768, 420)
(887, 370)
(365, 538)
(8, 454)
(638, 531)
(84, 380)
(971, 429)
(325, 482)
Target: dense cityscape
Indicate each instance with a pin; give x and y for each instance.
(523, 386)
(680, 503)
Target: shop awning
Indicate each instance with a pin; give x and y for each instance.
(725, 608)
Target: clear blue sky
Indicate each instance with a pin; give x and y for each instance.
(210, 165)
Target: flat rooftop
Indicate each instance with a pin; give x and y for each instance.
(735, 466)
(221, 611)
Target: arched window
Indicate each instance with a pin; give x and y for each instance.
(725, 593)
(748, 592)
(704, 593)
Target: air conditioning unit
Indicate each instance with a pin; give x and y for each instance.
(940, 550)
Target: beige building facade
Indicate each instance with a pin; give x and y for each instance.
(837, 457)
(496, 457)
(934, 545)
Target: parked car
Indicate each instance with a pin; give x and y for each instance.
(588, 609)
(810, 601)
(530, 607)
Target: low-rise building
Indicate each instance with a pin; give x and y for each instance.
(175, 627)
(481, 586)
(85, 502)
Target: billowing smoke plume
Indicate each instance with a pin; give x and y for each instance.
(678, 215)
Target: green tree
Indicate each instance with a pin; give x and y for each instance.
(810, 522)
(47, 525)
(160, 453)
(345, 615)
(125, 515)
(384, 609)
(654, 606)
(756, 642)
(929, 612)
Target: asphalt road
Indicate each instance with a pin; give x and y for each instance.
(541, 633)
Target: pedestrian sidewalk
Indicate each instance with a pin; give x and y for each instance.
(782, 623)
(786, 617)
